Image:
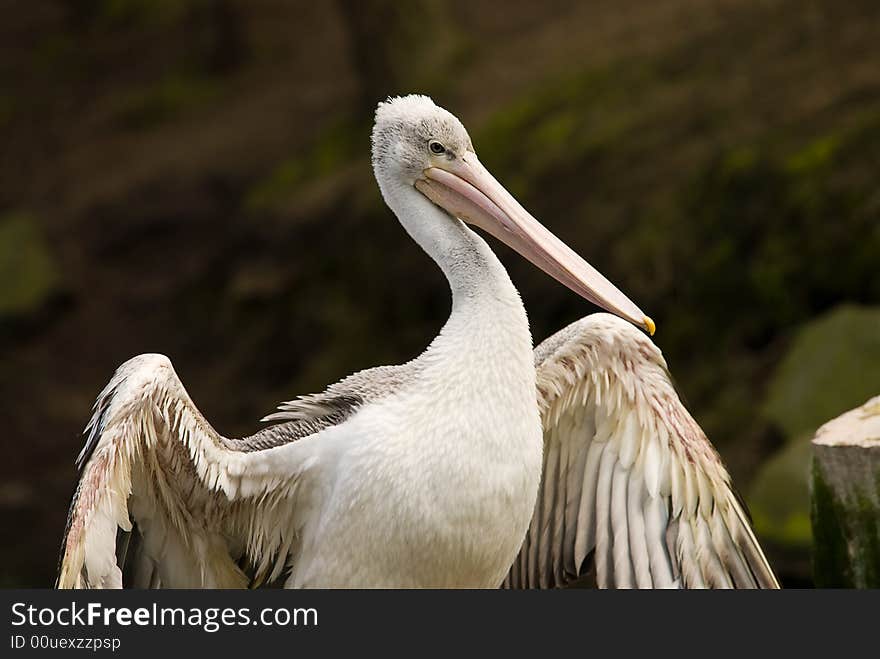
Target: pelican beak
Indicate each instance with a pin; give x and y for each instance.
(466, 189)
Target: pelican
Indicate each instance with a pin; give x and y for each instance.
(480, 463)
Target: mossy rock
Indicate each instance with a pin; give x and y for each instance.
(779, 498)
(846, 500)
(833, 365)
(28, 276)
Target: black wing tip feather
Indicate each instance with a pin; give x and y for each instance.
(96, 424)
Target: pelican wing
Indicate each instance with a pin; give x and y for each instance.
(633, 495)
(163, 500)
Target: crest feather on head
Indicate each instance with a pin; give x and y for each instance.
(403, 127)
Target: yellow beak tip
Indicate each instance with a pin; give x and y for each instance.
(649, 325)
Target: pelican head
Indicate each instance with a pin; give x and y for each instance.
(418, 144)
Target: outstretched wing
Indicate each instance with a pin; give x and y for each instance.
(164, 500)
(632, 494)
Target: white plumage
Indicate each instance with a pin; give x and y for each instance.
(477, 464)
(656, 507)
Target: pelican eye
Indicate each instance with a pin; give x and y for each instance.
(436, 147)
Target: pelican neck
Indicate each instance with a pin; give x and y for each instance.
(473, 271)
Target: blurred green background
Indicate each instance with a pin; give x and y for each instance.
(192, 177)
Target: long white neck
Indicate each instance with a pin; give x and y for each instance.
(478, 280)
(486, 341)
(471, 415)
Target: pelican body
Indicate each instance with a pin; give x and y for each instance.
(479, 463)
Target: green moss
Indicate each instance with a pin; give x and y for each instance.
(556, 130)
(740, 159)
(831, 566)
(779, 497)
(166, 99)
(815, 156)
(766, 224)
(28, 276)
(846, 551)
(277, 186)
(833, 365)
(867, 544)
(327, 154)
(562, 120)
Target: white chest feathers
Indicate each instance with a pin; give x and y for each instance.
(433, 486)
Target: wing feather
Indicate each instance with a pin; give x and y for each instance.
(623, 572)
(557, 565)
(586, 522)
(631, 486)
(532, 574)
(575, 490)
(688, 556)
(638, 544)
(714, 573)
(151, 458)
(604, 541)
(547, 539)
(656, 521)
(733, 561)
